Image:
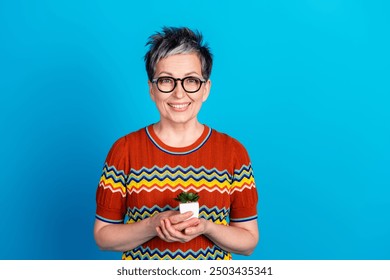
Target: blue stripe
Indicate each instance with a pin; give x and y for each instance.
(116, 175)
(240, 220)
(108, 220)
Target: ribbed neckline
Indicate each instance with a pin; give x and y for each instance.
(175, 150)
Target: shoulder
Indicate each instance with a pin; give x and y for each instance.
(229, 149)
(129, 140)
(131, 136)
(221, 138)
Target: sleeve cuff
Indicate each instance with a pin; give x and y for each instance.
(240, 220)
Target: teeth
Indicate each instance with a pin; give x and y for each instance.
(179, 106)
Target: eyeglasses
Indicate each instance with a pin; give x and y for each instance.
(168, 84)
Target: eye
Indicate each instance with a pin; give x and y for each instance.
(165, 81)
(192, 80)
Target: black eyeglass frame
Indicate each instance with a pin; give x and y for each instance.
(155, 81)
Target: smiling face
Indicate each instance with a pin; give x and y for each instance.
(178, 106)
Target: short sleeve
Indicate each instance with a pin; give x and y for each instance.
(243, 192)
(111, 191)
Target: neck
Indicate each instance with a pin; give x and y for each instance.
(178, 135)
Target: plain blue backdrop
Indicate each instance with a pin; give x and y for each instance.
(304, 85)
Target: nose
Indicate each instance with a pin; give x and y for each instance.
(179, 90)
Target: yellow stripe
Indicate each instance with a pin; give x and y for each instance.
(114, 185)
(169, 182)
(183, 174)
(243, 183)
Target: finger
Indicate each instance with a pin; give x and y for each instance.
(193, 222)
(160, 234)
(177, 235)
(172, 230)
(192, 231)
(163, 230)
(195, 230)
(175, 219)
(167, 236)
(188, 223)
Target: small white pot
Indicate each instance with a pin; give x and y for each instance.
(191, 206)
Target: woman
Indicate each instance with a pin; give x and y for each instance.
(145, 170)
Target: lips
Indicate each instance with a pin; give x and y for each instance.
(180, 106)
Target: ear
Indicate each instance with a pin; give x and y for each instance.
(206, 90)
(151, 93)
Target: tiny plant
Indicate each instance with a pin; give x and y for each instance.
(187, 197)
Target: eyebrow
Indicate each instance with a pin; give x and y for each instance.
(185, 75)
(191, 73)
(164, 72)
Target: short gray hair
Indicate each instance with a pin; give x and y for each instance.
(173, 40)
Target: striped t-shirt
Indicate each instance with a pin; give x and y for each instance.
(142, 176)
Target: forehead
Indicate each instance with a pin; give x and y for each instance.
(180, 64)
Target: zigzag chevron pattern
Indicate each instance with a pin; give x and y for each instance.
(140, 253)
(135, 214)
(178, 178)
(118, 176)
(174, 178)
(214, 214)
(113, 179)
(178, 187)
(176, 172)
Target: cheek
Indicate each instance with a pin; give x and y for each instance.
(198, 104)
(158, 98)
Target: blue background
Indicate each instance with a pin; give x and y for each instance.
(304, 85)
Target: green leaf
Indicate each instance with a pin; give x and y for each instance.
(186, 197)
